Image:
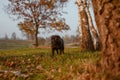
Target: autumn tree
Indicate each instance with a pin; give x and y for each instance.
(27, 29)
(36, 14)
(85, 35)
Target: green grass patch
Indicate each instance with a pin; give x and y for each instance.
(37, 64)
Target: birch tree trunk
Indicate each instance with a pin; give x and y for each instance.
(96, 39)
(107, 15)
(86, 38)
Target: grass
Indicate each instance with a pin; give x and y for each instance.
(37, 64)
(14, 44)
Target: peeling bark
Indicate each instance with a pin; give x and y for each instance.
(86, 38)
(96, 39)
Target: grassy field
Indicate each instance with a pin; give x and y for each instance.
(14, 44)
(37, 64)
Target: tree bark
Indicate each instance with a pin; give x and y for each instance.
(36, 38)
(87, 43)
(86, 38)
(107, 16)
(96, 39)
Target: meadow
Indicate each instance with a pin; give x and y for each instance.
(37, 64)
(14, 44)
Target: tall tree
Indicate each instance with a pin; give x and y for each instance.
(107, 16)
(96, 39)
(86, 38)
(38, 13)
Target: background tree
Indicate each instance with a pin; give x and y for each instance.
(38, 13)
(107, 16)
(86, 38)
(13, 36)
(6, 37)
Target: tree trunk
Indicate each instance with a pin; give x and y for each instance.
(86, 38)
(87, 43)
(36, 38)
(107, 15)
(36, 41)
(96, 39)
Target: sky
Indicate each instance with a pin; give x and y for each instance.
(8, 26)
